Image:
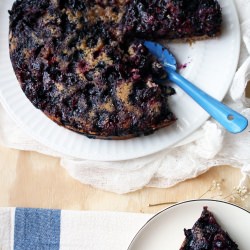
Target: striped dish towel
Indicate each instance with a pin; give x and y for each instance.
(42, 229)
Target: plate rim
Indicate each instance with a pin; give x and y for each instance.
(180, 204)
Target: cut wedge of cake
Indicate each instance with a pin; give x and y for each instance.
(207, 234)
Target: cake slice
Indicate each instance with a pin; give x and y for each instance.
(207, 234)
(173, 19)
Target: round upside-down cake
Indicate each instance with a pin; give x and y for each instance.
(84, 65)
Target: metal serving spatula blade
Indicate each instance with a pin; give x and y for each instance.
(228, 118)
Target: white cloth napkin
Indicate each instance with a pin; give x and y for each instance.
(212, 146)
(25, 228)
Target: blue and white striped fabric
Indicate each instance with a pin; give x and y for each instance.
(42, 229)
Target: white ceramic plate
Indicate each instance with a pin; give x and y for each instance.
(211, 65)
(165, 230)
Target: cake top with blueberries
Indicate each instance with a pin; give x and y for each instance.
(83, 63)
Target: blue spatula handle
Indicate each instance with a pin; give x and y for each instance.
(228, 118)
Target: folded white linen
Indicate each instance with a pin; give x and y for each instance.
(26, 228)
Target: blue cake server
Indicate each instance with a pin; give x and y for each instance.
(228, 118)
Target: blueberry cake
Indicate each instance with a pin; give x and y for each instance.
(206, 234)
(83, 63)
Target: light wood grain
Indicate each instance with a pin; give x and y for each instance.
(248, 89)
(29, 179)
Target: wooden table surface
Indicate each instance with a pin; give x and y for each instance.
(29, 179)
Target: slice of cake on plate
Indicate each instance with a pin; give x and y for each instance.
(207, 234)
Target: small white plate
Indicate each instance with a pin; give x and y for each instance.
(165, 230)
(211, 65)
